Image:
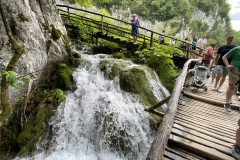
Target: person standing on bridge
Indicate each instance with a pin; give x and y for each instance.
(236, 146)
(161, 37)
(221, 70)
(207, 55)
(135, 31)
(202, 42)
(234, 74)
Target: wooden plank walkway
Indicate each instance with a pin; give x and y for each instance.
(202, 130)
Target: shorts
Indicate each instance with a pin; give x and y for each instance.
(222, 70)
(234, 77)
(214, 72)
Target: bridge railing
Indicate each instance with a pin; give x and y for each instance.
(104, 26)
(158, 146)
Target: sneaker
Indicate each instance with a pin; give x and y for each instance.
(235, 152)
(227, 107)
(219, 89)
(211, 82)
(214, 88)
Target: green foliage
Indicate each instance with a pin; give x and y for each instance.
(160, 60)
(22, 17)
(60, 95)
(26, 79)
(10, 78)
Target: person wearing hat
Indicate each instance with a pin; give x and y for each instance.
(135, 24)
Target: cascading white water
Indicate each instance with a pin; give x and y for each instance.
(99, 120)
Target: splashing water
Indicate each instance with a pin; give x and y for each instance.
(99, 120)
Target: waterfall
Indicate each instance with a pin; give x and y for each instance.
(98, 120)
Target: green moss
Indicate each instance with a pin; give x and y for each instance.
(22, 17)
(75, 59)
(65, 79)
(65, 40)
(103, 65)
(119, 55)
(114, 71)
(135, 81)
(55, 33)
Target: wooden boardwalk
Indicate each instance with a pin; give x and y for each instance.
(202, 130)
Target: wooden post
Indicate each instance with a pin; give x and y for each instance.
(102, 23)
(107, 29)
(151, 42)
(68, 13)
(187, 51)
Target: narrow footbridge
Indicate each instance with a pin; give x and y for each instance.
(116, 30)
(195, 125)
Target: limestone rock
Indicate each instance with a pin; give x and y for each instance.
(33, 33)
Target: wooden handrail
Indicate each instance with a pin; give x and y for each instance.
(152, 32)
(158, 104)
(156, 151)
(114, 27)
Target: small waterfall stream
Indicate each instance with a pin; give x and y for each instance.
(99, 120)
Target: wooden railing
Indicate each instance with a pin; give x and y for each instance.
(104, 26)
(156, 151)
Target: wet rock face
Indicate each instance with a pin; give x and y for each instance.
(32, 23)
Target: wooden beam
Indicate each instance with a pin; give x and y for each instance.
(161, 114)
(158, 104)
(210, 101)
(157, 149)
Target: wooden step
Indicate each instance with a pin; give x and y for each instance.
(199, 149)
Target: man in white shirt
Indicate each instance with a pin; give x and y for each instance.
(202, 42)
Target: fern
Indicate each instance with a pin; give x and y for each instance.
(26, 79)
(60, 95)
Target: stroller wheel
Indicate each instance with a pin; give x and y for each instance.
(205, 89)
(194, 90)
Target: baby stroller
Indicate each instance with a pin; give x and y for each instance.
(199, 77)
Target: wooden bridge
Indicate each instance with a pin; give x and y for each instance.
(196, 125)
(118, 28)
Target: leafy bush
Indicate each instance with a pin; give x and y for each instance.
(118, 55)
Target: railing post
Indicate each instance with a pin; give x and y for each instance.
(151, 42)
(68, 13)
(102, 24)
(107, 29)
(187, 51)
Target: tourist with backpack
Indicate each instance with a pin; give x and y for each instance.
(184, 46)
(221, 70)
(207, 55)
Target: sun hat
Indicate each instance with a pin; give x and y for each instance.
(134, 15)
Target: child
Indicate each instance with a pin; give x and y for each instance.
(135, 24)
(236, 146)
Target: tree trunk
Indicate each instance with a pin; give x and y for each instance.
(18, 51)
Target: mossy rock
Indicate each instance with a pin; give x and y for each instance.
(119, 55)
(55, 33)
(134, 80)
(114, 71)
(103, 65)
(65, 79)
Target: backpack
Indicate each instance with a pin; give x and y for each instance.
(206, 53)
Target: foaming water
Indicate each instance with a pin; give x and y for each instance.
(99, 120)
